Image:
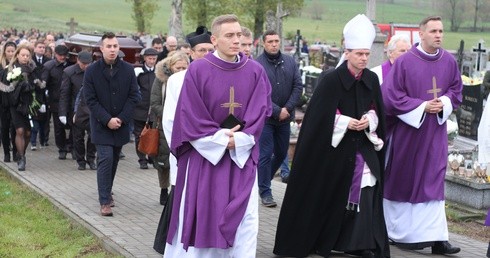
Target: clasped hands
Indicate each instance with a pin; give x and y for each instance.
(231, 142)
(434, 106)
(358, 125)
(115, 123)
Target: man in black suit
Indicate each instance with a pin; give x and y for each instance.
(41, 122)
(111, 92)
(70, 86)
(52, 75)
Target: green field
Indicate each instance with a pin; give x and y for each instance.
(115, 15)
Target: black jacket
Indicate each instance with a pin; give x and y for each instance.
(110, 91)
(286, 83)
(53, 71)
(145, 81)
(71, 83)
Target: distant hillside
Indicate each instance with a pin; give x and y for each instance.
(115, 15)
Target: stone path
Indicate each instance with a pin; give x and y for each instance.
(131, 231)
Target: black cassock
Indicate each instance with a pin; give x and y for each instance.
(313, 216)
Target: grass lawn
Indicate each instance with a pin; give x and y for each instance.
(115, 15)
(30, 226)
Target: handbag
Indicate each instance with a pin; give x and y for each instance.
(149, 139)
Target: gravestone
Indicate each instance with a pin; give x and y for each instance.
(311, 79)
(470, 110)
(72, 24)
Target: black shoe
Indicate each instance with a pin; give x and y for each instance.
(444, 247)
(121, 155)
(92, 165)
(62, 155)
(82, 166)
(143, 166)
(361, 253)
(21, 164)
(163, 196)
(488, 250)
(6, 158)
(268, 201)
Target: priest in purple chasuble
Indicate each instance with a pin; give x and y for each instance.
(422, 89)
(215, 206)
(333, 200)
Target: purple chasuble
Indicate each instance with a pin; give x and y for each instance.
(355, 187)
(487, 221)
(417, 161)
(385, 69)
(216, 196)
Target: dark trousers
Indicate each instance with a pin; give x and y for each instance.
(38, 128)
(138, 127)
(63, 143)
(84, 150)
(47, 127)
(274, 144)
(107, 160)
(7, 131)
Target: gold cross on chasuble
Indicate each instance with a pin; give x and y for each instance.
(232, 104)
(434, 89)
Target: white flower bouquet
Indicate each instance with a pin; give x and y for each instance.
(15, 75)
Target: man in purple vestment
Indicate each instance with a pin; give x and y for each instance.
(215, 206)
(397, 46)
(422, 89)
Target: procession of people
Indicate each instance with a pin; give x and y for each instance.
(370, 161)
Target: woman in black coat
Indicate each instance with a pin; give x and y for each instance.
(7, 130)
(20, 100)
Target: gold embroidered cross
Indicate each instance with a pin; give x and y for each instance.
(232, 104)
(434, 89)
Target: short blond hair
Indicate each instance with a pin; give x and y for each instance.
(218, 21)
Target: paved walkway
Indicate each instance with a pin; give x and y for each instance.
(131, 231)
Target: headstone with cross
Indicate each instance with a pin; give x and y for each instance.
(481, 56)
(72, 23)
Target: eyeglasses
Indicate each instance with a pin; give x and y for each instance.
(203, 50)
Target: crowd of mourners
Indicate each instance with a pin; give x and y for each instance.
(371, 151)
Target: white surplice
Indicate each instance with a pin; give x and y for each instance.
(417, 222)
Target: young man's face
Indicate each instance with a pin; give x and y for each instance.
(40, 49)
(158, 47)
(272, 44)
(110, 49)
(246, 44)
(227, 40)
(357, 59)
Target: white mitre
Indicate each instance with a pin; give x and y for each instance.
(359, 33)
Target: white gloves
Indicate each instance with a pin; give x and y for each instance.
(42, 109)
(9, 88)
(63, 119)
(40, 84)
